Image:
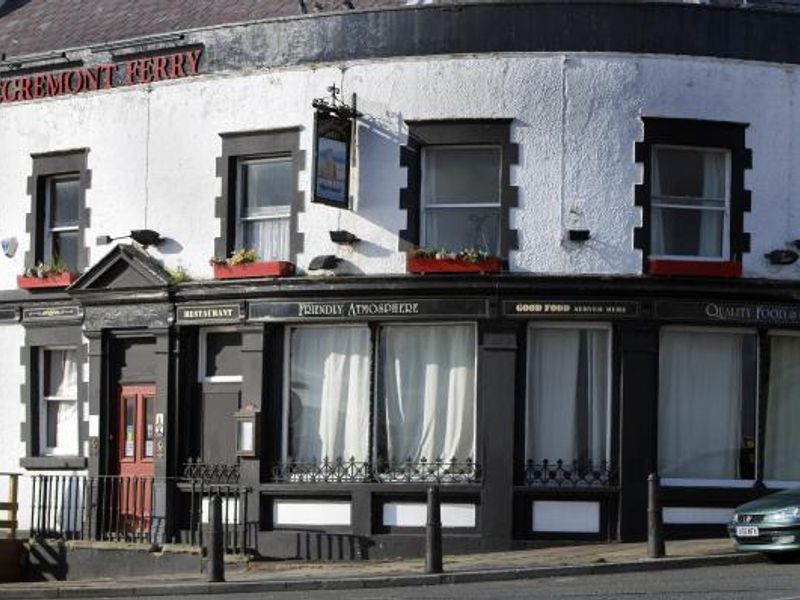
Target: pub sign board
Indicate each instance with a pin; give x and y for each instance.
(366, 310)
(572, 309)
(202, 314)
(333, 135)
(723, 312)
(52, 314)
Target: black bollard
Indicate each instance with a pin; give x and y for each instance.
(433, 533)
(216, 556)
(655, 531)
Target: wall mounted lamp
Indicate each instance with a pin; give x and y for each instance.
(246, 421)
(579, 235)
(145, 237)
(341, 236)
(782, 257)
(326, 261)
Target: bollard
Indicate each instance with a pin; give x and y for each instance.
(216, 556)
(655, 532)
(433, 533)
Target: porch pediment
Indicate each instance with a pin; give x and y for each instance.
(125, 267)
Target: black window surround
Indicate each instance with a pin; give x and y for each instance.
(46, 167)
(700, 134)
(252, 145)
(496, 132)
(36, 339)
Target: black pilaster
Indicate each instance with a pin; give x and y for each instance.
(638, 428)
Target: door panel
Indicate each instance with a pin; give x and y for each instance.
(136, 441)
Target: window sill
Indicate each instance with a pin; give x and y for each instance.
(53, 462)
(48, 281)
(269, 268)
(694, 268)
(422, 265)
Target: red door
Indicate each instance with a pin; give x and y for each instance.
(137, 411)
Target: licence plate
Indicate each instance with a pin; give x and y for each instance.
(746, 532)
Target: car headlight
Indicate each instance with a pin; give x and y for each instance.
(786, 515)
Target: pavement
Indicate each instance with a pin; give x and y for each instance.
(273, 576)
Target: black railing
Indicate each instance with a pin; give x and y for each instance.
(130, 509)
(575, 473)
(211, 473)
(353, 471)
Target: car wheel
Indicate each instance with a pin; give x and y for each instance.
(782, 558)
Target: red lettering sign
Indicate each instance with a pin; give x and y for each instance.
(76, 81)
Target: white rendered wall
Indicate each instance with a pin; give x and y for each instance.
(153, 150)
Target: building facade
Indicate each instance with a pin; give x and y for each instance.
(631, 165)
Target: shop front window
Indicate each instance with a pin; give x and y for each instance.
(781, 442)
(567, 402)
(410, 416)
(707, 406)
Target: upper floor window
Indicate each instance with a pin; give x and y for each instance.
(459, 193)
(693, 197)
(690, 217)
(461, 197)
(260, 198)
(265, 189)
(61, 224)
(59, 217)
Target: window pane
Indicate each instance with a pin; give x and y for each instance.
(60, 374)
(266, 184)
(567, 402)
(781, 441)
(130, 426)
(686, 172)
(455, 229)
(462, 175)
(149, 425)
(706, 412)
(687, 232)
(64, 202)
(429, 392)
(61, 427)
(223, 353)
(329, 394)
(65, 248)
(268, 237)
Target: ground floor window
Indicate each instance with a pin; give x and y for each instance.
(707, 404)
(390, 395)
(567, 401)
(781, 442)
(58, 408)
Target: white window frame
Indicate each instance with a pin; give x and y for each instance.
(47, 229)
(273, 213)
(708, 482)
(424, 196)
(726, 227)
(202, 377)
(597, 326)
(44, 449)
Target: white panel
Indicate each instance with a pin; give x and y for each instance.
(687, 515)
(230, 514)
(287, 512)
(414, 514)
(568, 517)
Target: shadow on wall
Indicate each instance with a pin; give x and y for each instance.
(318, 545)
(46, 560)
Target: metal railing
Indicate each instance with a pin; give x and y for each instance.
(560, 473)
(131, 509)
(352, 471)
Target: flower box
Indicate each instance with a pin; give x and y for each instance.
(426, 264)
(48, 281)
(267, 268)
